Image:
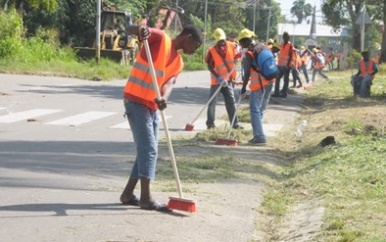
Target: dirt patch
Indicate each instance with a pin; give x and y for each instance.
(303, 223)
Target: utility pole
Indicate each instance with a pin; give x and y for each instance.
(203, 44)
(254, 17)
(268, 23)
(98, 33)
(175, 17)
(363, 29)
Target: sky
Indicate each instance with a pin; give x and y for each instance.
(286, 5)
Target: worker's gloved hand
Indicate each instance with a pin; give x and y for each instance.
(144, 33)
(160, 103)
(222, 81)
(243, 90)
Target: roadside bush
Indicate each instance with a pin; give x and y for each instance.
(382, 69)
(194, 62)
(11, 25)
(354, 58)
(10, 47)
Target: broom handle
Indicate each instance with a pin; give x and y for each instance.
(211, 98)
(168, 138)
(207, 103)
(234, 116)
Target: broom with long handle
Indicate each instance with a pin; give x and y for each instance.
(174, 203)
(190, 126)
(228, 140)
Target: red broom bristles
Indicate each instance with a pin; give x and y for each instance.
(182, 204)
(230, 142)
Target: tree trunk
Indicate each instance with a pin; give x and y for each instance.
(383, 49)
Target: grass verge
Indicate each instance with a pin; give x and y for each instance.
(347, 178)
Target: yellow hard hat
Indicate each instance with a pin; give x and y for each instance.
(219, 34)
(246, 33)
(315, 50)
(302, 47)
(270, 41)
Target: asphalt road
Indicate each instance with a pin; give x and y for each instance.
(64, 153)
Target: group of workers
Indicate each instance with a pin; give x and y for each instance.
(141, 103)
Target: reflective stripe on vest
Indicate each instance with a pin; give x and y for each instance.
(318, 65)
(284, 54)
(257, 81)
(366, 70)
(296, 60)
(140, 83)
(219, 66)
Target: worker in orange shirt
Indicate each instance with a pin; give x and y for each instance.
(338, 58)
(284, 65)
(304, 57)
(141, 104)
(221, 60)
(296, 63)
(259, 85)
(318, 64)
(367, 68)
(329, 59)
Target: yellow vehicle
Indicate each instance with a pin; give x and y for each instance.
(115, 43)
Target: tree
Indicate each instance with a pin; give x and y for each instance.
(345, 12)
(383, 48)
(47, 5)
(301, 10)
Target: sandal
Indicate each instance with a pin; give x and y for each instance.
(156, 206)
(133, 201)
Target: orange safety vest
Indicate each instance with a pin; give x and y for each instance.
(329, 57)
(140, 83)
(220, 67)
(304, 57)
(257, 81)
(318, 65)
(338, 55)
(366, 70)
(284, 54)
(296, 60)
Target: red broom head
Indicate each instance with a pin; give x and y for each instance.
(189, 127)
(182, 204)
(230, 142)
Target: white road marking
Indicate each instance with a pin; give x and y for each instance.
(81, 118)
(123, 125)
(19, 116)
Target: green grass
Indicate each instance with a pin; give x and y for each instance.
(348, 178)
(37, 57)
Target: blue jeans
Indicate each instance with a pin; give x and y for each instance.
(255, 105)
(320, 71)
(295, 76)
(229, 99)
(283, 72)
(266, 97)
(303, 68)
(365, 82)
(144, 124)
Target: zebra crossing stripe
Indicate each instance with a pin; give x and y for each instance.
(123, 125)
(81, 118)
(19, 116)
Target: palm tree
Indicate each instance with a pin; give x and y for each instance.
(301, 10)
